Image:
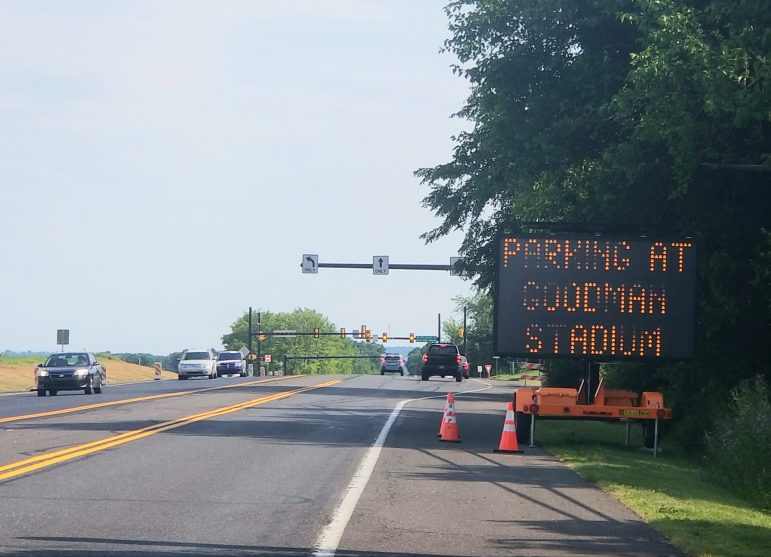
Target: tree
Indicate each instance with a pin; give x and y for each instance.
(624, 114)
(479, 328)
(302, 320)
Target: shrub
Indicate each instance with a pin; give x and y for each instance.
(739, 447)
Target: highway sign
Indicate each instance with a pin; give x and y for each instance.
(380, 265)
(268, 358)
(424, 338)
(310, 263)
(62, 336)
(454, 272)
(602, 298)
(285, 333)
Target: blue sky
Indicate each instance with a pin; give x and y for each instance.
(165, 164)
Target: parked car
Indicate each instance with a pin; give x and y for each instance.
(393, 363)
(230, 362)
(70, 371)
(197, 363)
(465, 367)
(443, 359)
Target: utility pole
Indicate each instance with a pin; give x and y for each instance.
(465, 332)
(439, 327)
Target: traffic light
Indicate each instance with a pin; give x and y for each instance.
(342, 332)
(363, 332)
(412, 337)
(385, 337)
(461, 332)
(316, 333)
(368, 335)
(261, 337)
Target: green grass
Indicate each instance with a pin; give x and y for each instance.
(515, 377)
(668, 492)
(20, 360)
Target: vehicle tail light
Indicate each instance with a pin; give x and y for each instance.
(425, 358)
(534, 409)
(661, 413)
(457, 358)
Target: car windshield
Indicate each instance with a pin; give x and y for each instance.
(229, 356)
(196, 356)
(446, 349)
(66, 360)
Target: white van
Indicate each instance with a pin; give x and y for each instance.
(197, 363)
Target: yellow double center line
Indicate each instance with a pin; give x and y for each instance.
(133, 400)
(26, 466)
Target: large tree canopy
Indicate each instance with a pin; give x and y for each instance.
(643, 115)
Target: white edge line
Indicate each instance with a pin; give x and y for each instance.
(328, 541)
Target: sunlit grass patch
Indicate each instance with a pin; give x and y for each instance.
(669, 492)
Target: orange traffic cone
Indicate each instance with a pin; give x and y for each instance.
(508, 442)
(450, 425)
(444, 414)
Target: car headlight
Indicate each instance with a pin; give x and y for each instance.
(81, 372)
(41, 373)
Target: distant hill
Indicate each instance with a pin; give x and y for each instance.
(26, 353)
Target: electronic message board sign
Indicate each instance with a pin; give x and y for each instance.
(595, 297)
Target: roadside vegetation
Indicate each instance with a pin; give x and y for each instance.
(672, 492)
(328, 344)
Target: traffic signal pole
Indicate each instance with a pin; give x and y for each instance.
(259, 344)
(250, 330)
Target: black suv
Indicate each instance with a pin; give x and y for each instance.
(443, 359)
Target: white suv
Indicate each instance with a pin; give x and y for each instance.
(197, 363)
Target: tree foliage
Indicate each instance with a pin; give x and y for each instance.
(478, 331)
(304, 320)
(638, 115)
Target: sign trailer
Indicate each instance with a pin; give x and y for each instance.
(600, 299)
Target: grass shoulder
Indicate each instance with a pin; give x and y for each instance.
(668, 492)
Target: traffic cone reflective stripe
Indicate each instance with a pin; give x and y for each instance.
(509, 442)
(446, 406)
(450, 429)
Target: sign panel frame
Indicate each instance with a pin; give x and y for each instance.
(379, 264)
(62, 337)
(310, 263)
(595, 297)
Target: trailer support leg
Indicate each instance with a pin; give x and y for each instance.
(532, 430)
(656, 439)
(628, 424)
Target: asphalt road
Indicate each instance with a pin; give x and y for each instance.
(293, 467)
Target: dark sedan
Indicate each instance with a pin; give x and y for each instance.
(70, 371)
